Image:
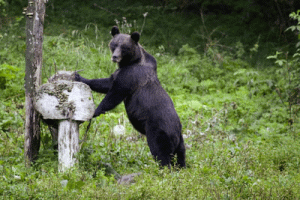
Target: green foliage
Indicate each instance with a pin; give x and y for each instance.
(11, 79)
(7, 73)
(295, 16)
(289, 89)
(3, 5)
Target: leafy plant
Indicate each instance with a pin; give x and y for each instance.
(288, 88)
(7, 73)
(3, 5)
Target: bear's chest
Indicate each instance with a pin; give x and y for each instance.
(131, 78)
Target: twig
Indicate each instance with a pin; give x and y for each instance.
(11, 97)
(85, 135)
(96, 5)
(79, 70)
(55, 70)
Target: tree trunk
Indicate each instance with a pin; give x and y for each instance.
(34, 31)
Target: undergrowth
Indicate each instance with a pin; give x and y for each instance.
(236, 116)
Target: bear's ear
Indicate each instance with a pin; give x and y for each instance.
(115, 31)
(135, 36)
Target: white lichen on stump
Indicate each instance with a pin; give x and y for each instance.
(66, 103)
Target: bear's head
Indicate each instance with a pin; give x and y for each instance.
(125, 48)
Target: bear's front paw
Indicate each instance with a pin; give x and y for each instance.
(98, 112)
(77, 77)
(95, 115)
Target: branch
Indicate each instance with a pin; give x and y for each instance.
(96, 5)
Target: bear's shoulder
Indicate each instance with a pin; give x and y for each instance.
(149, 60)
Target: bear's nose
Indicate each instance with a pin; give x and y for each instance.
(116, 58)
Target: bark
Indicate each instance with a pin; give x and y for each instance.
(34, 31)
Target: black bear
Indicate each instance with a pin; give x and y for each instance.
(148, 106)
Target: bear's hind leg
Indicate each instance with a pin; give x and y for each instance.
(180, 151)
(160, 146)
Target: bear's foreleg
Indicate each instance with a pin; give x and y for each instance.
(101, 85)
(110, 101)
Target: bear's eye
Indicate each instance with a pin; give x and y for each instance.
(125, 48)
(113, 46)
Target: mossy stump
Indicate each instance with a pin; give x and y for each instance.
(64, 104)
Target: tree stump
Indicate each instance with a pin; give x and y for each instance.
(64, 104)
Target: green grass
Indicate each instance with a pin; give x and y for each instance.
(240, 144)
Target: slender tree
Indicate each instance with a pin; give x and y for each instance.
(34, 30)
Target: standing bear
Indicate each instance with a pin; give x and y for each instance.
(148, 106)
